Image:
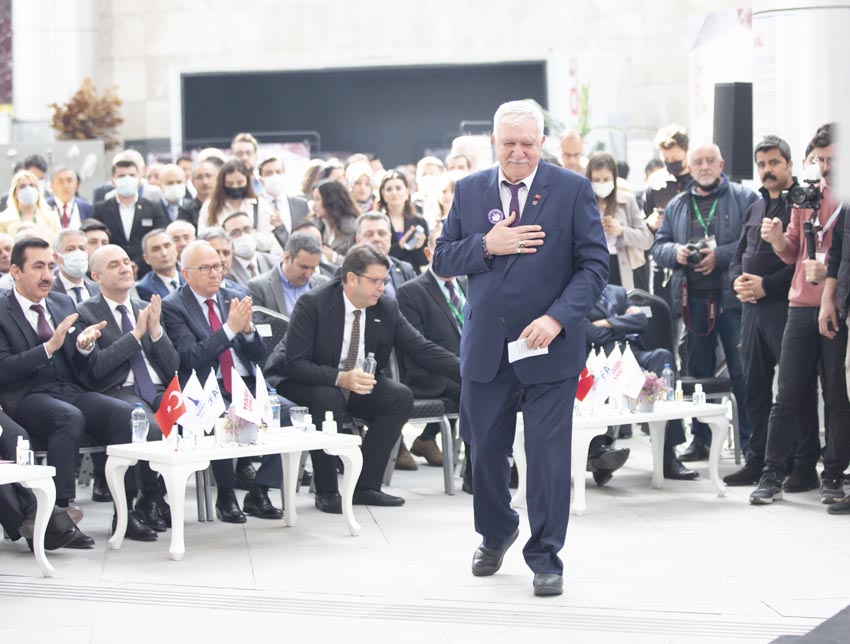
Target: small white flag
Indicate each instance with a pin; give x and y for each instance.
(264, 403)
(193, 394)
(244, 405)
(615, 363)
(212, 404)
(633, 377)
(603, 381)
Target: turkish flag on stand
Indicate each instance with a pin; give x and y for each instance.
(171, 408)
(585, 383)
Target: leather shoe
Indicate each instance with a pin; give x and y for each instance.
(428, 450)
(696, 451)
(245, 474)
(330, 502)
(404, 461)
(609, 459)
(60, 530)
(81, 541)
(547, 584)
(147, 510)
(673, 469)
(164, 511)
(100, 490)
(136, 530)
(487, 561)
(466, 486)
(750, 474)
(227, 508)
(376, 497)
(257, 504)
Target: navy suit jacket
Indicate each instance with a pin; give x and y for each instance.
(152, 284)
(611, 306)
(195, 341)
(564, 278)
(86, 208)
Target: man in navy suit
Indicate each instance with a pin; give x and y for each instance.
(211, 329)
(72, 210)
(529, 236)
(160, 253)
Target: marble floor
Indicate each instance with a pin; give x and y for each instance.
(676, 565)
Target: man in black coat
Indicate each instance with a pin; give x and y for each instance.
(332, 330)
(211, 329)
(41, 384)
(127, 216)
(133, 360)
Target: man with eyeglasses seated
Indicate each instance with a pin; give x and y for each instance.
(249, 262)
(332, 330)
(211, 329)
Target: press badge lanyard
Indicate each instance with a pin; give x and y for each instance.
(703, 223)
(821, 231)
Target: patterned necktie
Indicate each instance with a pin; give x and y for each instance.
(44, 330)
(455, 300)
(225, 358)
(353, 347)
(65, 218)
(514, 208)
(143, 384)
(78, 293)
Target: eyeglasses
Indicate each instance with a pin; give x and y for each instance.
(238, 232)
(205, 269)
(375, 281)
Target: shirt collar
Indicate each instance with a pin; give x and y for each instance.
(68, 284)
(203, 300)
(113, 304)
(27, 303)
(286, 283)
(527, 180)
(349, 307)
(59, 203)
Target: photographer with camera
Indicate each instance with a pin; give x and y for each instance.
(697, 238)
(805, 352)
(761, 281)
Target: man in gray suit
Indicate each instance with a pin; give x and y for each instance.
(132, 360)
(279, 288)
(72, 264)
(248, 261)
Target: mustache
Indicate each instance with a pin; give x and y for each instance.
(45, 283)
(769, 175)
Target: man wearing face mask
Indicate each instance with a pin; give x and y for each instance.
(72, 264)
(249, 262)
(172, 182)
(285, 212)
(698, 236)
(127, 216)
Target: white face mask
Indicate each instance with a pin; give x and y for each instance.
(274, 184)
(602, 188)
(127, 185)
(75, 264)
(27, 196)
(174, 192)
(245, 246)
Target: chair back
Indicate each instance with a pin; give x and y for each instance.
(660, 329)
(278, 325)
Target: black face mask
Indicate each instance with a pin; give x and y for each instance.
(675, 167)
(235, 193)
(711, 186)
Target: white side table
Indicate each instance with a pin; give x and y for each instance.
(38, 478)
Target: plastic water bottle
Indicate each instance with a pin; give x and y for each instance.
(139, 421)
(329, 424)
(23, 454)
(275, 405)
(370, 365)
(669, 378)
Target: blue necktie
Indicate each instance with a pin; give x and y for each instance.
(514, 207)
(143, 385)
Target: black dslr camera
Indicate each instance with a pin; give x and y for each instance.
(808, 196)
(695, 256)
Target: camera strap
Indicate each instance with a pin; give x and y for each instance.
(705, 223)
(822, 230)
(686, 312)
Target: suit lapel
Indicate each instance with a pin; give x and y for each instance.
(276, 287)
(374, 326)
(117, 224)
(20, 319)
(336, 315)
(101, 308)
(436, 292)
(237, 271)
(492, 198)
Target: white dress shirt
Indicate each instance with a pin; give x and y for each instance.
(32, 316)
(280, 205)
(119, 318)
(505, 192)
(70, 286)
(73, 212)
(167, 281)
(241, 369)
(346, 335)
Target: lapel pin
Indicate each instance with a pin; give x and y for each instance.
(495, 216)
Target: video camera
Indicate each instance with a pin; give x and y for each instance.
(808, 196)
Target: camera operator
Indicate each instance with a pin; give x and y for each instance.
(805, 352)
(697, 238)
(761, 281)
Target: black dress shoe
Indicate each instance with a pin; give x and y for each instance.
(60, 531)
(257, 504)
(750, 474)
(376, 497)
(547, 584)
(136, 530)
(227, 508)
(245, 474)
(147, 510)
(164, 511)
(673, 469)
(696, 451)
(601, 477)
(624, 431)
(609, 459)
(330, 502)
(81, 541)
(466, 486)
(487, 561)
(100, 490)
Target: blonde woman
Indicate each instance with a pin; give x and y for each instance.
(27, 203)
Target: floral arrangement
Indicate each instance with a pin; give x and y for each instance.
(654, 388)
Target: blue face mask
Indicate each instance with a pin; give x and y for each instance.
(126, 186)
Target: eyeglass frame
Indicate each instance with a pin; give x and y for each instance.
(205, 269)
(375, 281)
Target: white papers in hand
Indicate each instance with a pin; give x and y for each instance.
(519, 351)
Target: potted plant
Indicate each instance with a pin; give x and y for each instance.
(654, 388)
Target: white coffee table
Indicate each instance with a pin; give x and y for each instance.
(177, 466)
(38, 478)
(586, 426)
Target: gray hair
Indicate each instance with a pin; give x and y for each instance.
(373, 216)
(59, 169)
(703, 146)
(516, 112)
(64, 234)
(190, 248)
(151, 235)
(179, 223)
(302, 242)
(214, 232)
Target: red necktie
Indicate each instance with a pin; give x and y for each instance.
(65, 219)
(225, 359)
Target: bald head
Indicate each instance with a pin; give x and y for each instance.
(572, 147)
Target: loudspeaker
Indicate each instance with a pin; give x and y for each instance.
(733, 128)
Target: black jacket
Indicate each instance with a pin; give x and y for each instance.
(149, 215)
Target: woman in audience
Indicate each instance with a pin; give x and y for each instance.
(311, 177)
(409, 230)
(233, 192)
(359, 177)
(447, 190)
(337, 214)
(625, 228)
(26, 204)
